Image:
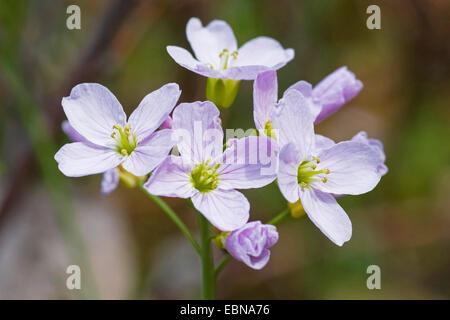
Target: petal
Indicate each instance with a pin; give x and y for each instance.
(185, 59)
(227, 210)
(197, 131)
(324, 211)
(263, 51)
(249, 162)
(322, 142)
(182, 57)
(294, 122)
(171, 179)
(245, 72)
(377, 146)
(146, 157)
(78, 159)
(353, 168)
(153, 110)
(335, 90)
(287, 180)
(265, 96)
(93, 110)
(305, 88)
(72, 133)
(110, 180)
(208, 42)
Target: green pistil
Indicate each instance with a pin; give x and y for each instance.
(125, 141)
(307, 171)
(205, 178)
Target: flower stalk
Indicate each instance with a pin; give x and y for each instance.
(174, 217)
(208, 273)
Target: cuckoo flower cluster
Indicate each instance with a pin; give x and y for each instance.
(183, 153)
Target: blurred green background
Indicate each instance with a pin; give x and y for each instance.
(126, 246)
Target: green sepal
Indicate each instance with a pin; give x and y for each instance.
(222, 92)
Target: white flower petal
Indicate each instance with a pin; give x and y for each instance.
(324, 211)
(78, 159)
(294, 122)
(197, 131)
(265, 97)
(263, 51)
(249, 162)
(171, 179)
(227, 210)
(353, 168)
(92, 111)
(146, 157)
(153, 110)
(208, 42)
(287, 179)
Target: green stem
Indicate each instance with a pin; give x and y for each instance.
(174, 217)
(222, 264)
(283, 214)
(275, 220)
(209, 281)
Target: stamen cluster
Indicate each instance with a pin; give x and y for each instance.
(126, 142)
(205, 178)
(307, 172)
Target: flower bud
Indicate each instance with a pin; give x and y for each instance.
(250, 243)
(335, 90)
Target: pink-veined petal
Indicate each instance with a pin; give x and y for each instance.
(227, 210)
(92, 111)
(153, 110)
(208, 42)
(171, 179)
(197, 131)
(78, 159)
(353, 168)
(324, 211)
(263, 51)
(290, 159)
(249, 162)
(265, 96)
(294, 122)
(375, 144)
(72, 133)
(146, 157)
(322, 143)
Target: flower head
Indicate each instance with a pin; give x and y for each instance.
(313, 168)
(206, 173)
(323, 100)
(104, 139)
(250, 243)
(218, 55)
